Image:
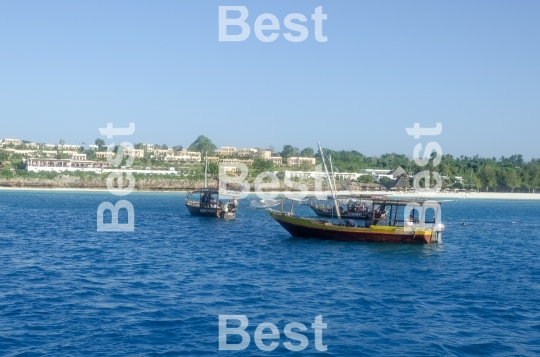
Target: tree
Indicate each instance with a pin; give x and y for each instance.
(487, 176)
(4, 155)
(139, 146)
(512, 179)
(202, 144)
(164, 147)
(213, 168)
(307, 152)
(386, 181)
(289, 151)
(306, 166)
(100, 143)
(157, 147)
(262, 165)
(366, 179)
(178, 148)
(61, 142)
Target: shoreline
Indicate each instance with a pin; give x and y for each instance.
(423, 195)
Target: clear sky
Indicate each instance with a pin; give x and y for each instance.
(69, 67)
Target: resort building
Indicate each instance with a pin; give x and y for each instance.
(25, 153)
(380, 173)
(277, 160)
(247, 152)
(60, 165)
(104, 154)
(235, 161)
(48, 153)
(164, 152)
(93, 147)
(189, 156)
(264, 154)
(50, 146)
(148, 147)
(7, 141)
(226, 151)
(78, 157)
(68, 147)
(134, 152)
(297, 161)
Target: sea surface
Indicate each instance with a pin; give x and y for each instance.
(68, 290)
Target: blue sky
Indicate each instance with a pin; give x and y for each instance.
(69, 67)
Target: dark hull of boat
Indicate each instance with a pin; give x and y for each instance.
(307, 228)
(351, 215)
(207, 212)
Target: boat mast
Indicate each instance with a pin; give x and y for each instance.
(205, 167)
(330, 183)
(332, 169)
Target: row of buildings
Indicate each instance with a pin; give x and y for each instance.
(226, 154)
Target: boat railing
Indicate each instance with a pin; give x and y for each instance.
(193, 203)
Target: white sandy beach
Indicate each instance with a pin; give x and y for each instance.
(425, 195)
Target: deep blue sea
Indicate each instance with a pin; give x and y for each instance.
(68, 290)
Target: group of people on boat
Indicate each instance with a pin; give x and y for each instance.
(207, 201)
(227, 207)
(356, 207)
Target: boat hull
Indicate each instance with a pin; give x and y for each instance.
(317, 229)
(208, 212)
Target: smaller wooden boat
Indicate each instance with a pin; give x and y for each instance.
(206, 202)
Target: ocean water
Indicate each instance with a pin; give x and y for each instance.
(68, 290)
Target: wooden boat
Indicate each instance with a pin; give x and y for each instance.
(206, 203)
(388, 220)
(391, 223)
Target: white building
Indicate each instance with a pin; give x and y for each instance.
(68, 147)
(297, 161)
(60, 165)
(247, 152)
(227, 151)
(8, 141)
(188, 156)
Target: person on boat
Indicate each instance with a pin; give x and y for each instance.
(212, 202)
(350, 223)
(224, 210)
(203, 199)
(233, 205)
(368, 220)
(362, 208)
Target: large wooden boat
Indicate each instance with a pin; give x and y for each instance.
(391, 221)
(388, 220)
